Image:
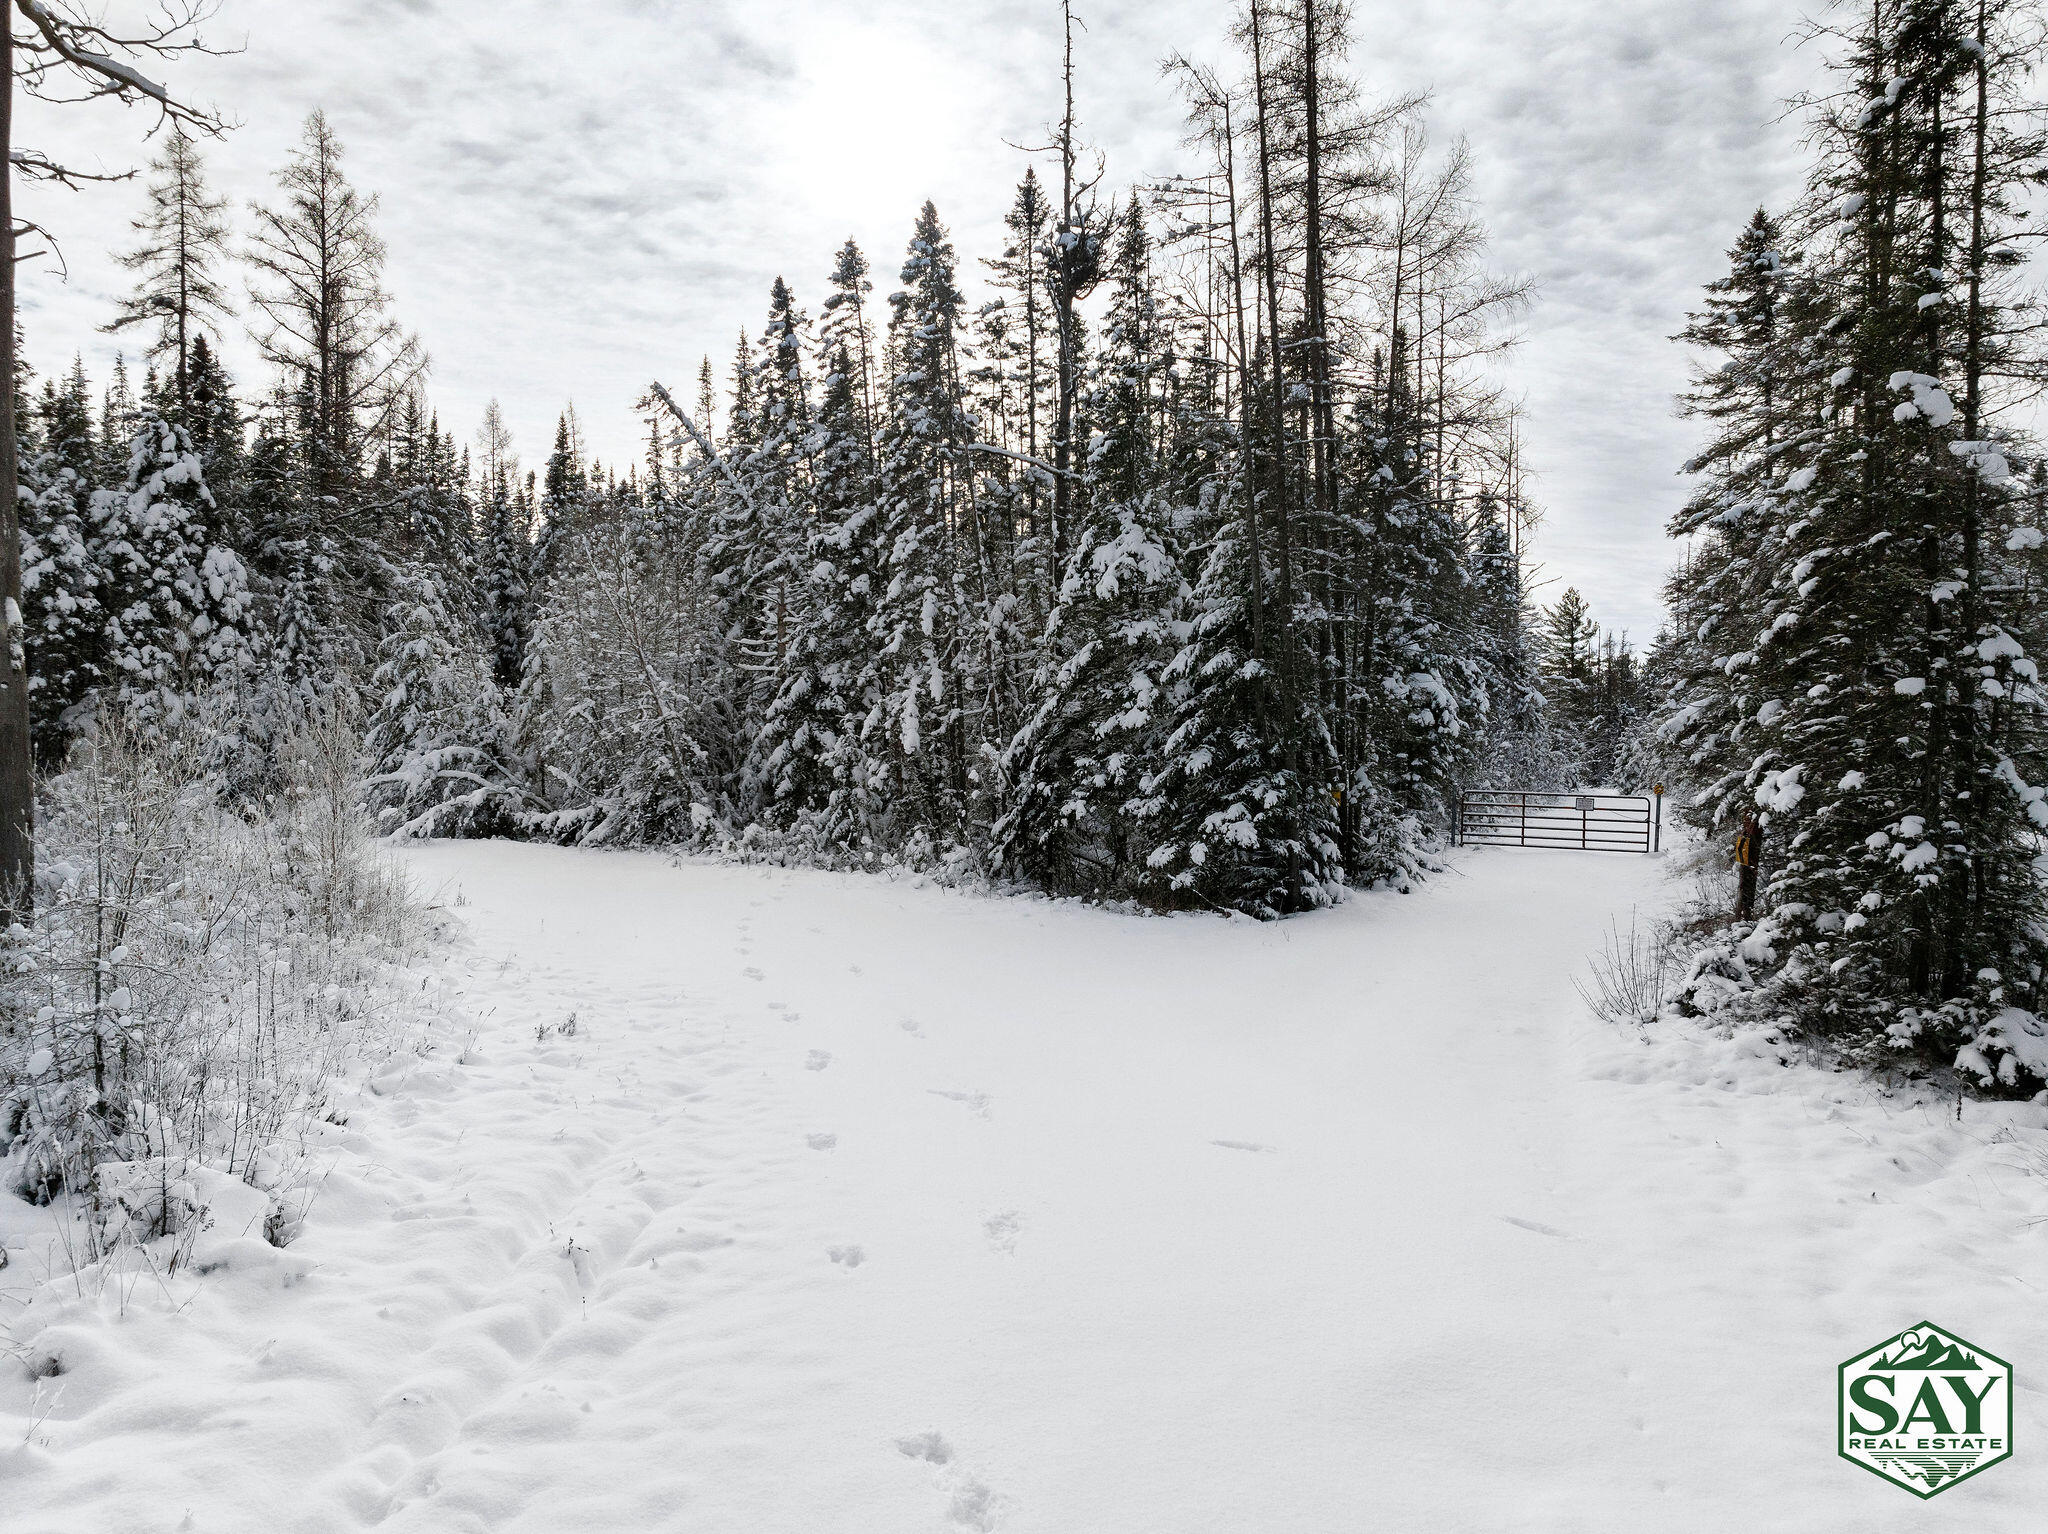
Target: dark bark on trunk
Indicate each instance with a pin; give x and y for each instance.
(1062, 489)
(1283, 653)
(17, 787)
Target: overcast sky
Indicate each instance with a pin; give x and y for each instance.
(580, 198)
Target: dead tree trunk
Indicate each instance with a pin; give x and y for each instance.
(17, 787)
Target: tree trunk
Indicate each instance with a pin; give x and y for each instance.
(17, 787)
(1290, 723)
(1244, 389)
(1063, 453)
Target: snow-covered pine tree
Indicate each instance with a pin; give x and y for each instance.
(1520, 750)
(303, 639)
(1024, 372)
(844, 327)
(814, 769)
(1227, 819)
(1759, 337)
(431, 523)
(566, 494)
(119, 421)
(1074, 769)
(1413, 667)
(927, 728)
(177, 603)
(436, 737)
(1890, 694)
(63, 626)
(755, 489)
(1568, 645)
(504, 550)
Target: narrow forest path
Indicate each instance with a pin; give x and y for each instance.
(848, 1204)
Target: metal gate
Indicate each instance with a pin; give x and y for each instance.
(1552, 818)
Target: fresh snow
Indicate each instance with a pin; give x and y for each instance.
(773, 1201)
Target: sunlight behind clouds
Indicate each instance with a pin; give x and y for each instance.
(575, 205)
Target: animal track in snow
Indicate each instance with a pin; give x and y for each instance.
(752, 973)
(974, 1506)
(911, 1026)
(1003, 1229)
(1244, 1145)
(976, 1103)
(969, 1503)
(846, 1256)
(817, 1060)
(1541, 1230)
(821, 1142)
(926, 1446)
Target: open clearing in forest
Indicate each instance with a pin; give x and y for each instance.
(789, 1201)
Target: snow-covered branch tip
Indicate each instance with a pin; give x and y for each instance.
(61, 37)
(38, 166)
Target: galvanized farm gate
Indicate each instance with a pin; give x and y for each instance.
(1561, 818)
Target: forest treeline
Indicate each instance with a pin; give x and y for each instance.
(1184, 563)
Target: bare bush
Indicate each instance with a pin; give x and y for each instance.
(194, 982)
(1630, 973)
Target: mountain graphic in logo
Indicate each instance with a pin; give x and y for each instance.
(1932, 1351)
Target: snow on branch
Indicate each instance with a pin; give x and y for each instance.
(38, 166)
(1003, 452)
(703, 442)
(64, 39)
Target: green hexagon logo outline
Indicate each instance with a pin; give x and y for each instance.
(1925, 1372)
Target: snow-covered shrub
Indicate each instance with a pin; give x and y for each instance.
(194, 981)
(437, 736)
(628, 705)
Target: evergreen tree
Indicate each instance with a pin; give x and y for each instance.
(118, 424)
(920, 628)
(812, 768)
(436, 737)
(1570, 642)
(63, 624)
(177, 604)
(183, 240)
(212, 417)
(1075, 766)
(1760, 337)
(1521, 750)
(505, 551)
(1882, 687)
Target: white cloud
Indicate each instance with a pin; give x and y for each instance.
(580, 198)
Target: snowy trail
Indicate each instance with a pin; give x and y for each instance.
(849, 1204)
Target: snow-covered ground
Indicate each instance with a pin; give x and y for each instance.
(785, 1201)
